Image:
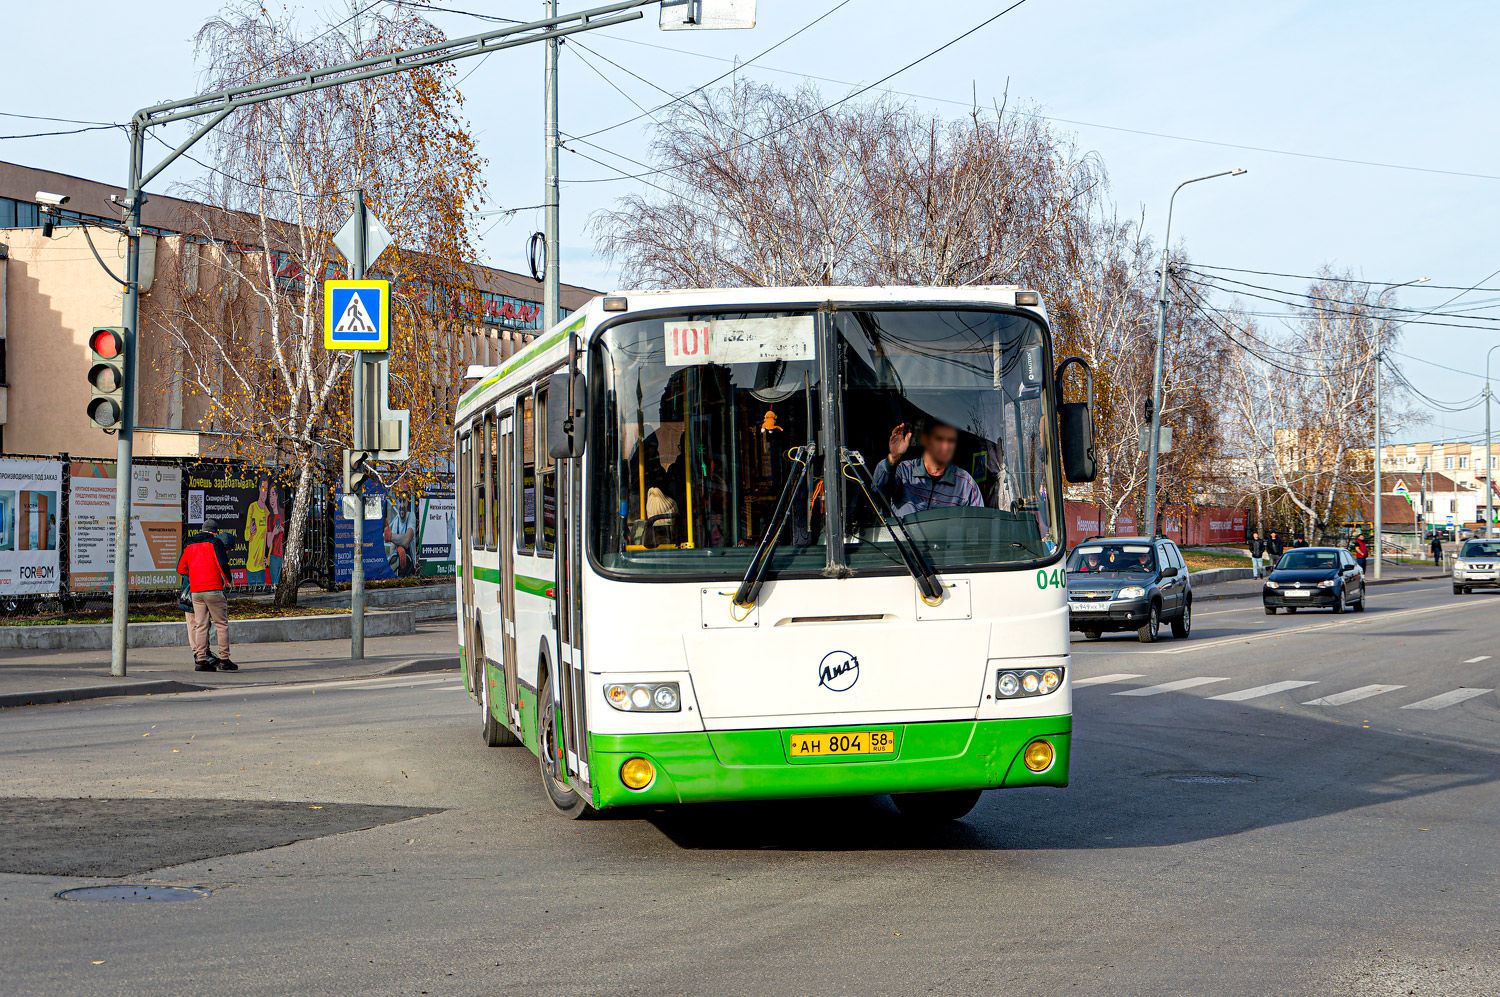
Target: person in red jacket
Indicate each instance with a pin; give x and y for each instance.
(206, 565)
(1361, 550)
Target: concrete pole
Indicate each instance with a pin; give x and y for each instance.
(1379, 522)
(1153, 441)
(551, 290)
(1489, 473)
(358, 403)
(124, 441)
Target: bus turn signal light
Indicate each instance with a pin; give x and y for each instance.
(637, 773)
(1038, 756)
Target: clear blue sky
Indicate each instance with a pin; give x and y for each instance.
(1375, 81)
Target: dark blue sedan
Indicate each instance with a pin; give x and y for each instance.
(1322, 577)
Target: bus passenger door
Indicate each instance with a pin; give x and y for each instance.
(505, 533)
(569, 503)
(468, 518)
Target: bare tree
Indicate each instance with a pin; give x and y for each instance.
(280, 183)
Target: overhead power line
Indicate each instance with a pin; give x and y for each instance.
(823, 110)
(1336, 301)
(1341, 280)
(1093, 124)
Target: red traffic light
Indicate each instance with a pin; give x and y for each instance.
(107, 343)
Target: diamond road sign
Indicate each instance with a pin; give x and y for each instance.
(357, 314)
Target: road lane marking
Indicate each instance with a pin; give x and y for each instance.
(1475, 661)
(1102, 679)
(1353, 695)
(1365, 620)
(1156, 690)
(1446, 699)
(1261, 690)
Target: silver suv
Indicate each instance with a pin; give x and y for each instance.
(1476, 566)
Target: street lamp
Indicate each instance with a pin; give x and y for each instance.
(1379, 519)
(1489, 461)
(1161, 335)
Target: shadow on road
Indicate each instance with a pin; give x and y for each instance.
(1134, 785)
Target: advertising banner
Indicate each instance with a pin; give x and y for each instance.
(155, 526)
(251, 509)
(1091, 519)
(30, 491)
(413, 538)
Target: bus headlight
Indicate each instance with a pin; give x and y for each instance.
(644, 697)
(1020, 683)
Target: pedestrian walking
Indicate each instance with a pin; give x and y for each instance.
(1274, 547)
(206, 565)
(1437, 549)
(1257, 554)
(1361, 550)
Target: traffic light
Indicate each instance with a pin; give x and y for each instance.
(356, 470)
(107, 378)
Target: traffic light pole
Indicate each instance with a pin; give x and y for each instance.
(217, 106)
(125, 437)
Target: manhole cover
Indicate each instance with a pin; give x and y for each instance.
(1210, 778)
(135, 894)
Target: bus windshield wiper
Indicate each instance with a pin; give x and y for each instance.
(749, 589)
(927, 582)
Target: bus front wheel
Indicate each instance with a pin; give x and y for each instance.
(936, 807)
(550, 751)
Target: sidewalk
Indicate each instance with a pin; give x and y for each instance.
(28, 677)
(1250, 588)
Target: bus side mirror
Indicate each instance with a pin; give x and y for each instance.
(1076, 426)
(565, 420)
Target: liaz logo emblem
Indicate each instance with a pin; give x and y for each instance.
(838, 671)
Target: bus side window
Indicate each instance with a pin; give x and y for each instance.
(464, 489)
(492, 481)
(478, 503)
(527, 519)
(547, 478)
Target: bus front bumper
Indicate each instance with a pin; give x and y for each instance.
(702, 767)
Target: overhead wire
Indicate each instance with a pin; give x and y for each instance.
(822, 110)
(1340, 280)
(1089, 124)
(1337, 301)
(737, 67)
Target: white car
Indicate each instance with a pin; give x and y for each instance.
(1476, 566)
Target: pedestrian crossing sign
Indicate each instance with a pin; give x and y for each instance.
(357, 314)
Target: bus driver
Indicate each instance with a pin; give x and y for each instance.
(929, 482)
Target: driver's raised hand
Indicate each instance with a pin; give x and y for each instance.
(900, 441)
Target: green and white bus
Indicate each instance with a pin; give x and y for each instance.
(772, 543)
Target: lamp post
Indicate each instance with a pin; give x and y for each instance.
(1154, 415)
(1489, 461)
(1378, 518)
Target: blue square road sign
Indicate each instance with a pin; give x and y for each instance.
(357, 314)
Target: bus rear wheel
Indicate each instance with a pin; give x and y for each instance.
(550, 752)
(936, 808)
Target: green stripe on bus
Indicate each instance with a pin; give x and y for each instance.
(487, 575)
(535, 586)
(540, 346)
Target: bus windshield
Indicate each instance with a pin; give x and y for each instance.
(941, 419)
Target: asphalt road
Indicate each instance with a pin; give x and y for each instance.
(1288, 805)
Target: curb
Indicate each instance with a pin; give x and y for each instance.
(96, 636)
(154, 687)
(1252, 595)
(423, 665)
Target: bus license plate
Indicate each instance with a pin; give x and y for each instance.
(865, 742)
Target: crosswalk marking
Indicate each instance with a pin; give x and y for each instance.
(1353, 695)
(1475, 661)
(1261, 690)
(1103, 679)
(1446, 699)
(1156, 690)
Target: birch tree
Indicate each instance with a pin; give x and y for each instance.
(281, 180)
